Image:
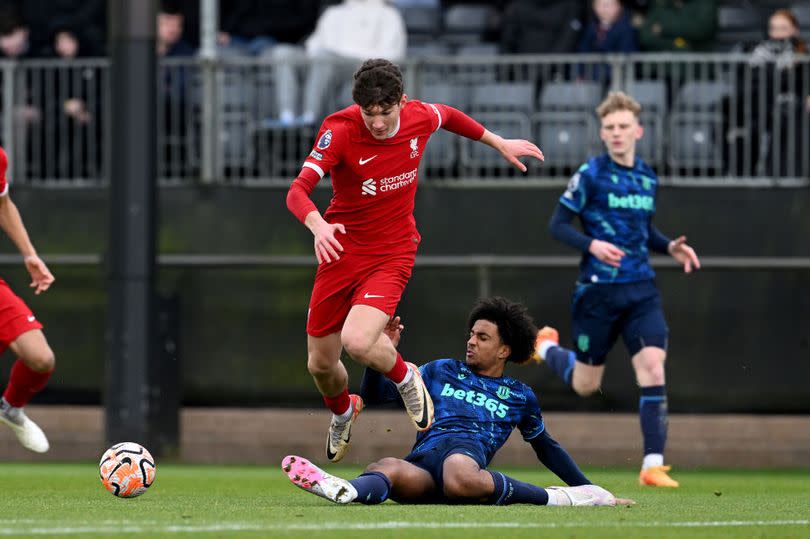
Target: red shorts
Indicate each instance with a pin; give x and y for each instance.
(377, 281)
(15, 317)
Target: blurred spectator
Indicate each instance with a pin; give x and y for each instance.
(679, 25)
(344, 36)
(169, 39)
(60, 26)
(551, 26)
(779, 96)
(15, 44)
(173, 82)
(76, 108)
(15, 34)
(609, 31)
(250, 27)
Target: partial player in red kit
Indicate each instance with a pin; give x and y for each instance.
(20, 330)
(366, 240)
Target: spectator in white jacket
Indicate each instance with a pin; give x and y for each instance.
(345, 35)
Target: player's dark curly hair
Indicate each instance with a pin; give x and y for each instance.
(515, 325)
(377, 82)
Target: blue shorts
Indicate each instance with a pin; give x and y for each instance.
(603, 311)
(431, 459)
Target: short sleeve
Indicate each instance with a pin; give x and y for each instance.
(327, 150)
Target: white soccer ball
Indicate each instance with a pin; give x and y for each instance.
(127, 469)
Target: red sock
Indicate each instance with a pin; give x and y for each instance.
(397, 374)
(24, 383)
(340, 403)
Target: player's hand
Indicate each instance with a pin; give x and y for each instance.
(684, 254)
(511, 149)
(327, 246)
(606, 252)
(394, 330)
(41, 277)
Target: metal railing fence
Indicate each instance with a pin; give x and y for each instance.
(710, 119)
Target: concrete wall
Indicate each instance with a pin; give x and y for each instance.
(265, 436)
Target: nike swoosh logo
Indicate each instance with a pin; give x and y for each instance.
(369, 296)
(31, 318)
(364, 161)
(423, 422)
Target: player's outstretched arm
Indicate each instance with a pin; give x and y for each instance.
(684, 254)
(557, 460)
(327, 246)
(511, 149)
(12, 224)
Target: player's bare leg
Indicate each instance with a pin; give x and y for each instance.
(332, 380)
(364, 340)
(409, 483)
(587, 379)
(649, 366)
(28, 377)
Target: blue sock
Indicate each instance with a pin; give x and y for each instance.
(372, 488)
(652, 410)
(561, 360)
(509, 491)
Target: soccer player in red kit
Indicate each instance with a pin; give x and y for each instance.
(20, 330)
(366, 240)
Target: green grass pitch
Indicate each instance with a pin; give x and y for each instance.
(67, 500)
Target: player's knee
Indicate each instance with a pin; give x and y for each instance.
(318, 365)
(42, 360)
(586, 388)
(650, 370)
(357, 345)
(387, 465)
(461, 485)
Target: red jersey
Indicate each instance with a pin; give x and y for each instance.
(374, 181)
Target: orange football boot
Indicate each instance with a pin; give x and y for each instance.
(546, 334)
(657, 476)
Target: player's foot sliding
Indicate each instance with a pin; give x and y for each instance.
(416, 398)
(340, 432)
(309, 477)
(584, 495)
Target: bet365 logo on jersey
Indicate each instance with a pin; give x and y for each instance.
(475, 398)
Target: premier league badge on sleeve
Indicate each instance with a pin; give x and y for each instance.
(573, 185)
(325, 140)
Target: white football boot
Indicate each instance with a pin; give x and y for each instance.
(28, 432)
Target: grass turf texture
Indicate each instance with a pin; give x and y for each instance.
(67, 500)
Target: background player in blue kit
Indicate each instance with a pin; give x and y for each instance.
(614, 196)
(476, 409)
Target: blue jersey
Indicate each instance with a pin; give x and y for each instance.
(476, 408)
(615, 204)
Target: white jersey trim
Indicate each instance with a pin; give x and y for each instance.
(439, 114)
(316, 168)
(5, 190)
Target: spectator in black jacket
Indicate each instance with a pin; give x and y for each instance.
(66, 27)
(610, 31)
(250, 27)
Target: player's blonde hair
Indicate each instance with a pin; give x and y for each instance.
(616, 101)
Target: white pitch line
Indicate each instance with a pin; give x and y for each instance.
(339, 526)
